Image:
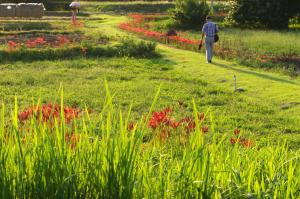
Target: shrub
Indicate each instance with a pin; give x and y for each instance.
(190, 13)
(130, 47)
(273, 14)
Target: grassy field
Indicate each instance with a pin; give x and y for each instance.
(98, 156)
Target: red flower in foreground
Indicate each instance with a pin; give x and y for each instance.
(159, 118)
(48, 113)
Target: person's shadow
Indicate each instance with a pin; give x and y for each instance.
(257, 74)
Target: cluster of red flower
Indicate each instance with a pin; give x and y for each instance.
(11, 46)
(239, 140)
(38, 42)
(62, 40)
(143, 31)
(49, 112)
(137, 26)
(163, 122)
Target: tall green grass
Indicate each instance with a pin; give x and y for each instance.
(108, 161)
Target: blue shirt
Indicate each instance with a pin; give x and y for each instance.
(210, 29)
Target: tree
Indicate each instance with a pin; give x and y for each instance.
(273, 14)
(190, 13)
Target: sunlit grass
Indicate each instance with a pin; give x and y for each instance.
(108, 161)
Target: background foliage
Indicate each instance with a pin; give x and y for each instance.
(272, 14)
(190, 12)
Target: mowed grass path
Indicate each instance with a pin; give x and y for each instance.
(184, 75)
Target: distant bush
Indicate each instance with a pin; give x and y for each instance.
(273, 14)
(190, 13)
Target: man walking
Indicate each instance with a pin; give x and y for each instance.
(209, 29)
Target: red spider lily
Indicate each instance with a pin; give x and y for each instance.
(183, 40)
(62, 40)
(34, 43)
(191, 126)
(157, 119)
(164, 123)
(139, 26)
(40, 40)
(236, 131)
(234, 140)
(72, 139)
(131, 126)
(242, 141)
(31, 44)
(246, 143)
(204, 129)
(163, 120)
(201, 116)
(11, 44)
(175, 125)
(48, 112)
(156, 35)
(188, 123)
